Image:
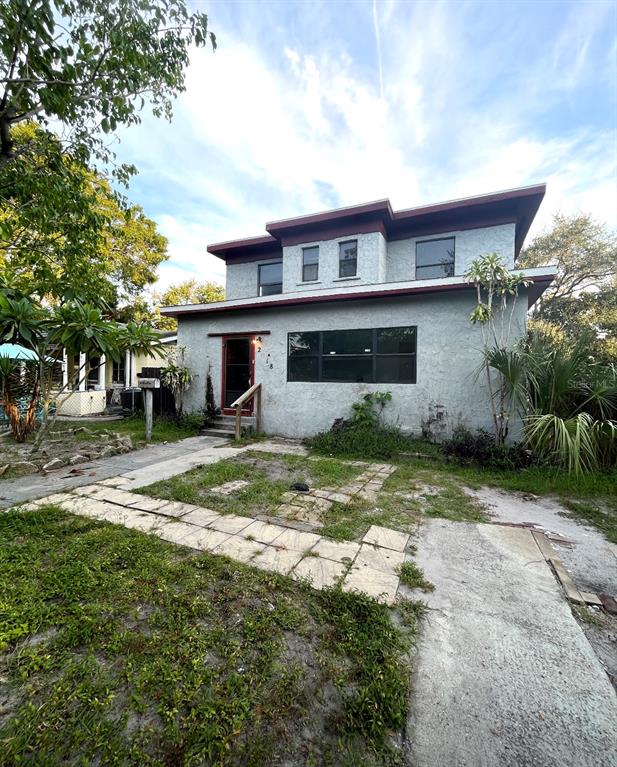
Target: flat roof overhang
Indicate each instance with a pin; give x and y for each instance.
(540, 280)
(517, 206)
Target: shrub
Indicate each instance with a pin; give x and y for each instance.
(481, 447)
(364, 435)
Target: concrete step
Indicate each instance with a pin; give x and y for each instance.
(212, 431)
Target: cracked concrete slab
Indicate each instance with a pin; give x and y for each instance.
(319, 572)
(501, 659)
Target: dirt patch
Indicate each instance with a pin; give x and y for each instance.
(601, 631)
(277, 470)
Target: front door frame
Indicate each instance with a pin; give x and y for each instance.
(235, 337)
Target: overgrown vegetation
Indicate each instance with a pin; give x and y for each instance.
(413, 577)
(481, 447)
(365, 435)
(118, 648)
(269, 477)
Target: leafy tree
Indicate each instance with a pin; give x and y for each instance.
(583, 298)
(65, 233)
(584, 252)
(90, 66)
(75, 326)
(187, 292)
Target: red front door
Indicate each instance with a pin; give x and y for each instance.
(238, 363)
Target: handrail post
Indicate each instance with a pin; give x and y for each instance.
(238, 420)
(258, 416)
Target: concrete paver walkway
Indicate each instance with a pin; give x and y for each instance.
(150, 463)
(505, 676)
(369, 566)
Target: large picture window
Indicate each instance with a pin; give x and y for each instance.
(435, 258)
(378, 355)
(270, 278)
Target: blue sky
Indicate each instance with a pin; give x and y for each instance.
(311, 105)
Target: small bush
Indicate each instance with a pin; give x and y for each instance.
(364, 435)
(346, 439)
(481, 448)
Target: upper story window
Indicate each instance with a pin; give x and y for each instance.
(270, 278)
(435, 258)
(310, 264)
(348, 258)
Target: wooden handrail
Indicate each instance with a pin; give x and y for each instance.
(254, 391)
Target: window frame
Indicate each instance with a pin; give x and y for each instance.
(315, 264)
(424, 266)
(261, 284)
(373, 355)
(119, 365)
(341, 260)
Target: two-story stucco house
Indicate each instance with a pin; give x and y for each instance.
(326, 307)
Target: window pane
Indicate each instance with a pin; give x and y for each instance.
(271, 273)
(302, 344)
(347, 342)
(302, 369)
(396, 340)
(396, 369)
(310, 255)
(348, 258)
(348, 368)
(310, 272)
(433, 272)
(436, 253)
(271, 290)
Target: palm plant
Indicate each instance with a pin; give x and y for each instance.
(568, 402)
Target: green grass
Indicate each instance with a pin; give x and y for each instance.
(601, 514)
(163, 429)
(413, 577)
(118, 648)
(263, 494)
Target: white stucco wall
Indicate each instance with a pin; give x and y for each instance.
(448, 353)
(379, 261)
(469, 244)
(371, 262)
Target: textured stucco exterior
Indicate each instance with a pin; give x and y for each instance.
(468, 244)
(448, 353)
(379, 261)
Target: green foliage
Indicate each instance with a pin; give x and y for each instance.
(481, 448)
(368, 412)
(497, 290)
(364, 435)
(187, 292)
(582, 300)
(177, 376)
(90, 65)
(75, 326)
(413, 577)
(123, 649)
(64, 233)
(211, 410)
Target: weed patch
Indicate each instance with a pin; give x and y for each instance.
(122, 649)
(413, 577)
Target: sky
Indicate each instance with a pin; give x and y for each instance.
(307, 106)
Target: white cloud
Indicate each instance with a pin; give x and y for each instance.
(264, 132)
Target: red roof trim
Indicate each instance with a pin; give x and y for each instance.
(365, 294)
(516, 205)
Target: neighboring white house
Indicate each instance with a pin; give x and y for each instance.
(105, 381)
(327, 307)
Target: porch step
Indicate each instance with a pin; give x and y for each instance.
(225, 426)
(211, 431)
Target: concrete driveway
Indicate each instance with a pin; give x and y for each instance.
(504, 674)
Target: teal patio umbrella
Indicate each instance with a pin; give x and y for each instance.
(17, 352)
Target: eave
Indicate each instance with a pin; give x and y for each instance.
(540, 279)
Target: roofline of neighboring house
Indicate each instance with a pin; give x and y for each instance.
(540, 279)
(518, 206)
